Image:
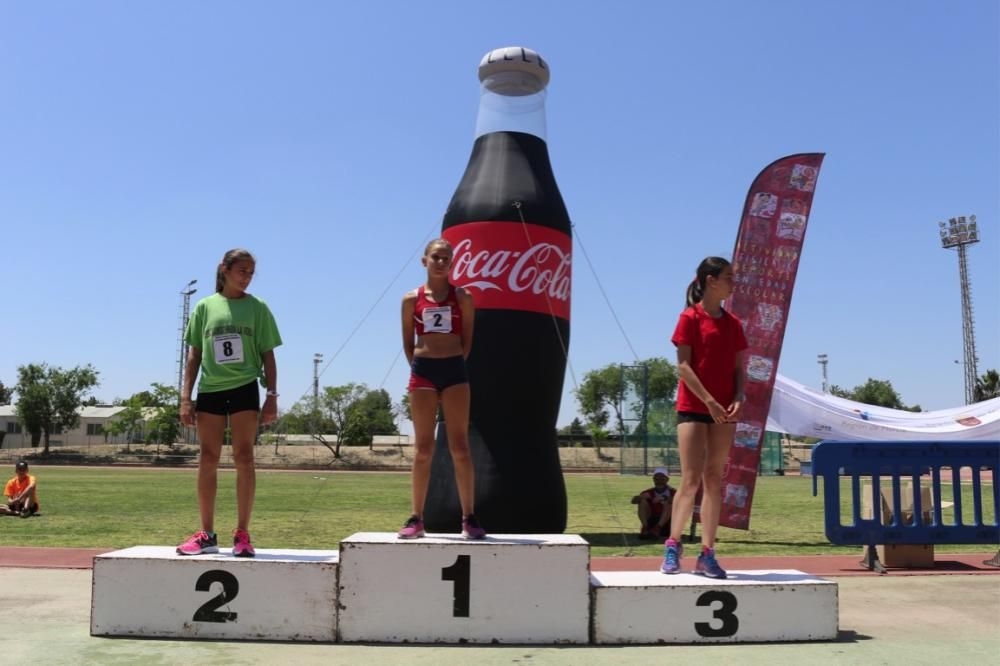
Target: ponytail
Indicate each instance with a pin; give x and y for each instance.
(709, 266)
(228, 259)
(695, 292)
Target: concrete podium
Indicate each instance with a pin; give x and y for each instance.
(151, 591)
(508, 588)
(758, 606)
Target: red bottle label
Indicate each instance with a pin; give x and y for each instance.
(512, 266)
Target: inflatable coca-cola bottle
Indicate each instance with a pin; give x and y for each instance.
(511, 234)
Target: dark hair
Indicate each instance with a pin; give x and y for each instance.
(709, 266)
(227, 262)
(21, 464)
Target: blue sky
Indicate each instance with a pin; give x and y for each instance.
(139, 141)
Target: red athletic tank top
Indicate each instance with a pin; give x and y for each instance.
(444, 317)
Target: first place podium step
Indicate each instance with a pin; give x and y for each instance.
(151, 591)
(509, 588)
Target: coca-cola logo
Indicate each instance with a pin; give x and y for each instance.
(500, 267)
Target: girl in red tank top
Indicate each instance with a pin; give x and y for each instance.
(432, 317)
(710, 344)
(437, 338)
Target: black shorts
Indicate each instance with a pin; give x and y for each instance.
(694, 417)
(437, 373)
(246, 398)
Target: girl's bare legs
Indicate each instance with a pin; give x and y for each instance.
(423, 409)
(720, 439)
(243, 426)
(455, 402)
(692, 442)
(211, 430)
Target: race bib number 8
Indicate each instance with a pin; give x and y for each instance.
(228, 348)
(437, 320)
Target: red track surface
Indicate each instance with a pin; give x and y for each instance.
(819, 565)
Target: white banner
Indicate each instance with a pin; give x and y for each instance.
(800, 410)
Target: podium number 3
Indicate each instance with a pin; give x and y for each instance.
(230, 588)
(727, 604)
(459, 573)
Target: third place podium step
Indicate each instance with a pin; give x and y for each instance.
(507, 588)
(759, 606)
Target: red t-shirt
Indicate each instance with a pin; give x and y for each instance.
(714, 345)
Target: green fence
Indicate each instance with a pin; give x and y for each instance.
(649, 439)
(772, 455)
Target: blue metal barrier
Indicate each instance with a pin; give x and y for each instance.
(873, 461)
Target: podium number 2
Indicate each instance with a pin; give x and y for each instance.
(727, 604)
(230, 588)
(459, 573)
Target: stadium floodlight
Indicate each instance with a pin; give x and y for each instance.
(959, 233)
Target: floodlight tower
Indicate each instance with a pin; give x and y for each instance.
(185, 314)
(823, 360)
(317, 359)
(958, 233)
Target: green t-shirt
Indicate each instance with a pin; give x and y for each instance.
(232, 335)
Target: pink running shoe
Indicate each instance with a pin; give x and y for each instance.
(241, 544)
(199, 543)
(413, 529)
(471, 528)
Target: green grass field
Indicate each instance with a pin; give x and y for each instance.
(121, 507)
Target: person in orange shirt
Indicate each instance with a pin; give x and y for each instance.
(21, 492)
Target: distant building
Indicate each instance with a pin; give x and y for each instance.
(91, 430)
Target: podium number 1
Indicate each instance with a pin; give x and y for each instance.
(459, 573)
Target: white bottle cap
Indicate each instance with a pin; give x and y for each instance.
(516, 60)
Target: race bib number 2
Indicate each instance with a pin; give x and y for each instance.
(228, 348)
(437, 320)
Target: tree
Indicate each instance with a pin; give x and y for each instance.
(127, 422)
(372, 415)
(304, 418)
(164, 426)
(5, 394)
(878, 392)
(404, 407)
(600, 390)
(574, 428)
(151, 398)
(49, 397)
(660, 379)
(336, 403)
(987, 386)
(608, 387)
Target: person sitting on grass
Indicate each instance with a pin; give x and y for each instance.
(21, 492)
(655, 506)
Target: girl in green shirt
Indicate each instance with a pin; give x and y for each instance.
(232, 336)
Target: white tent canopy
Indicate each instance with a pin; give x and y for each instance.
(799, 410)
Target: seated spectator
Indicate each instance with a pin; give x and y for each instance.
(655, 506)
(21, 492)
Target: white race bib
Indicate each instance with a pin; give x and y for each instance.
(228, 348)
(437, 320)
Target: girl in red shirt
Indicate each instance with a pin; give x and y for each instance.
(437, 338)
(710, 344)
